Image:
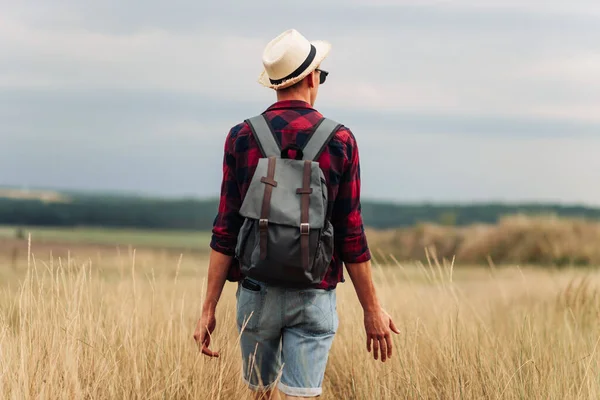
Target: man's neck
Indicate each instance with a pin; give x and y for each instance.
(293, 96)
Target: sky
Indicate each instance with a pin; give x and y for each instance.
(450, 101)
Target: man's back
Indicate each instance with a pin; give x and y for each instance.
(293, 122)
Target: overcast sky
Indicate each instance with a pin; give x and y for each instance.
(450, 101)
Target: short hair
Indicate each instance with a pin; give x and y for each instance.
(293, 87)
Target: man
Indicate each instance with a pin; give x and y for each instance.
(286, 333)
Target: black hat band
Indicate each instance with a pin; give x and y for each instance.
(311, 57)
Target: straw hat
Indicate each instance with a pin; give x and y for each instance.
(289, 58)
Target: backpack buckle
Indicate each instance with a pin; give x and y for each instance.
(304, 229)
(263, 223)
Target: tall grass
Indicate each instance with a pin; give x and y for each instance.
(546, 240)
(121, 327)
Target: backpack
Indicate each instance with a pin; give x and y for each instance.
(286, 238)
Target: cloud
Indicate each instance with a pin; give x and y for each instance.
(585, 7)
(139, 94)
(152, 59)
(156, 142)
(423, 59)
(466, 168)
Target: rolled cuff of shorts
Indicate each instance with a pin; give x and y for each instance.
(299, 392)
(262, 388)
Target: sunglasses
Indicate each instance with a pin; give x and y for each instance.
(322, 75)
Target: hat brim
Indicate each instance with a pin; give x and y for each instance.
(323, 48)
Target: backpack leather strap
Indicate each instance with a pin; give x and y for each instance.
(263, 223)
(305, 191)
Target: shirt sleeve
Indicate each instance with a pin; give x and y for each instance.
(228, 221)
(349, 234)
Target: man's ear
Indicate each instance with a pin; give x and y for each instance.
(311, 79)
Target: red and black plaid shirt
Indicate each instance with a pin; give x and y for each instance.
(293, 122)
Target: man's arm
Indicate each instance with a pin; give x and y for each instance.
(218, 266)
(224, 238)
(378, 323)
(351, 241)
(217, 275)
(361, 277)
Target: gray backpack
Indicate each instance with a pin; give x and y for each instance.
(286, 238)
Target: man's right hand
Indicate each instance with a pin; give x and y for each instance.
(379, 326)
(205, 327)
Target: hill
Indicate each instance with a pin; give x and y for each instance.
(76, 209)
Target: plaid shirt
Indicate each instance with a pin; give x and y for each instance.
(293, 121)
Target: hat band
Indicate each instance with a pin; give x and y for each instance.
(311, 57)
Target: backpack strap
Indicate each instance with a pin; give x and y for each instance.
(320, 138)
(305, 191)
(264, 135)
(263, 223)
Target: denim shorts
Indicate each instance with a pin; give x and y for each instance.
(285, 336)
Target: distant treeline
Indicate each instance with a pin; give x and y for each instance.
(147, 213)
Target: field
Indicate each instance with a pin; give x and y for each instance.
(186, 240)
(111, 323)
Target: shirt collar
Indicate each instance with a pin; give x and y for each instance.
(287, 104)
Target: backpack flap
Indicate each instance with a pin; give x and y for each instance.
(285, 202)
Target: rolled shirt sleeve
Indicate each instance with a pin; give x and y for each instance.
(350, 239)
(228, 221)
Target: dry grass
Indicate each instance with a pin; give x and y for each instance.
(546, 240)
(114, 327)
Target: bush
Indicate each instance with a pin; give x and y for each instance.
(517, 239)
